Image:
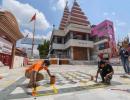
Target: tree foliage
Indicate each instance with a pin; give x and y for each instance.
(44, 49)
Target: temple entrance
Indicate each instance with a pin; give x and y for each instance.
(80, 53)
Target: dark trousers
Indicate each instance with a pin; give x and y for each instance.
(103, 77)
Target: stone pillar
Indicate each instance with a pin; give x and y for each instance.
(62, 40)
(55, 39)
(71, 53)
(88, 53)
(87, 37)
(12, 56)
(71, 35)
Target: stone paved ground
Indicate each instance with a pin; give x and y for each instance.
(73, 83)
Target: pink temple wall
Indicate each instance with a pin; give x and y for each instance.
(104, 28)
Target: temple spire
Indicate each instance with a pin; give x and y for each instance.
(77, 16)
(66, 4)
(65, 17)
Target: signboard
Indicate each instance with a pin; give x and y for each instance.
(5, 46)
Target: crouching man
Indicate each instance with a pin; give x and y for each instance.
(106, 71)
(33, 72)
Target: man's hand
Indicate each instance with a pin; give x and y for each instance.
(96, 78)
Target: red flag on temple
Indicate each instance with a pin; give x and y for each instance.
(33, 17)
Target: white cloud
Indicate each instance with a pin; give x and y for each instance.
(120, 23)
(28, 46)
(129, 35)
(30, 34)
(48, 36)
(24, 13)
(54, 8)
(105, 14)
(59, 5)
(113, 13)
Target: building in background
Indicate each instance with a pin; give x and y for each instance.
(72, 39)
(26, 44)
(78, 40)
(104, 38)
(20, 58)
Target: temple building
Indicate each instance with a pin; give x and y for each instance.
(78, 40)
(71, 40)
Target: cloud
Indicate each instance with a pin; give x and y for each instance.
(27, 46)
(59, 5)
(105, 14)
(120, 23)
(108, 14)
(113, 13)
(30, 35)
(129, 35)
(24, 13)
(112, 16)
(39, 36)
(48, 36)
(54, 8)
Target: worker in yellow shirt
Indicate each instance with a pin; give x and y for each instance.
(33, 72)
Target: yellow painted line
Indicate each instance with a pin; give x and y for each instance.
(39, 88)
(47, 94)
(84, 83)
(54, 88)
(6, 84)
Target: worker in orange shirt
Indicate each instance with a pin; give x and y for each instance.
(33, 72)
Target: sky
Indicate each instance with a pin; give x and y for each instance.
(50, 12)
(0, 3)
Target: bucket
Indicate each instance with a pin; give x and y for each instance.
(52, 80)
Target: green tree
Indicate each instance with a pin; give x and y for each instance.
(44, 49)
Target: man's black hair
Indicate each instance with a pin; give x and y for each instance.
(47, 62)
(102, 62)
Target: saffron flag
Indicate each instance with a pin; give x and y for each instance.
(33, 17)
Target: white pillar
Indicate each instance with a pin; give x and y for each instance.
(71, 52)
(87, 37)
(71, 35)
(55, 39)
(58, 61)
(62, 40)
(88, 53)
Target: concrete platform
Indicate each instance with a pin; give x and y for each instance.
(73, 83)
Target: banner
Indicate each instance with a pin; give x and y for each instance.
(5, 46)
